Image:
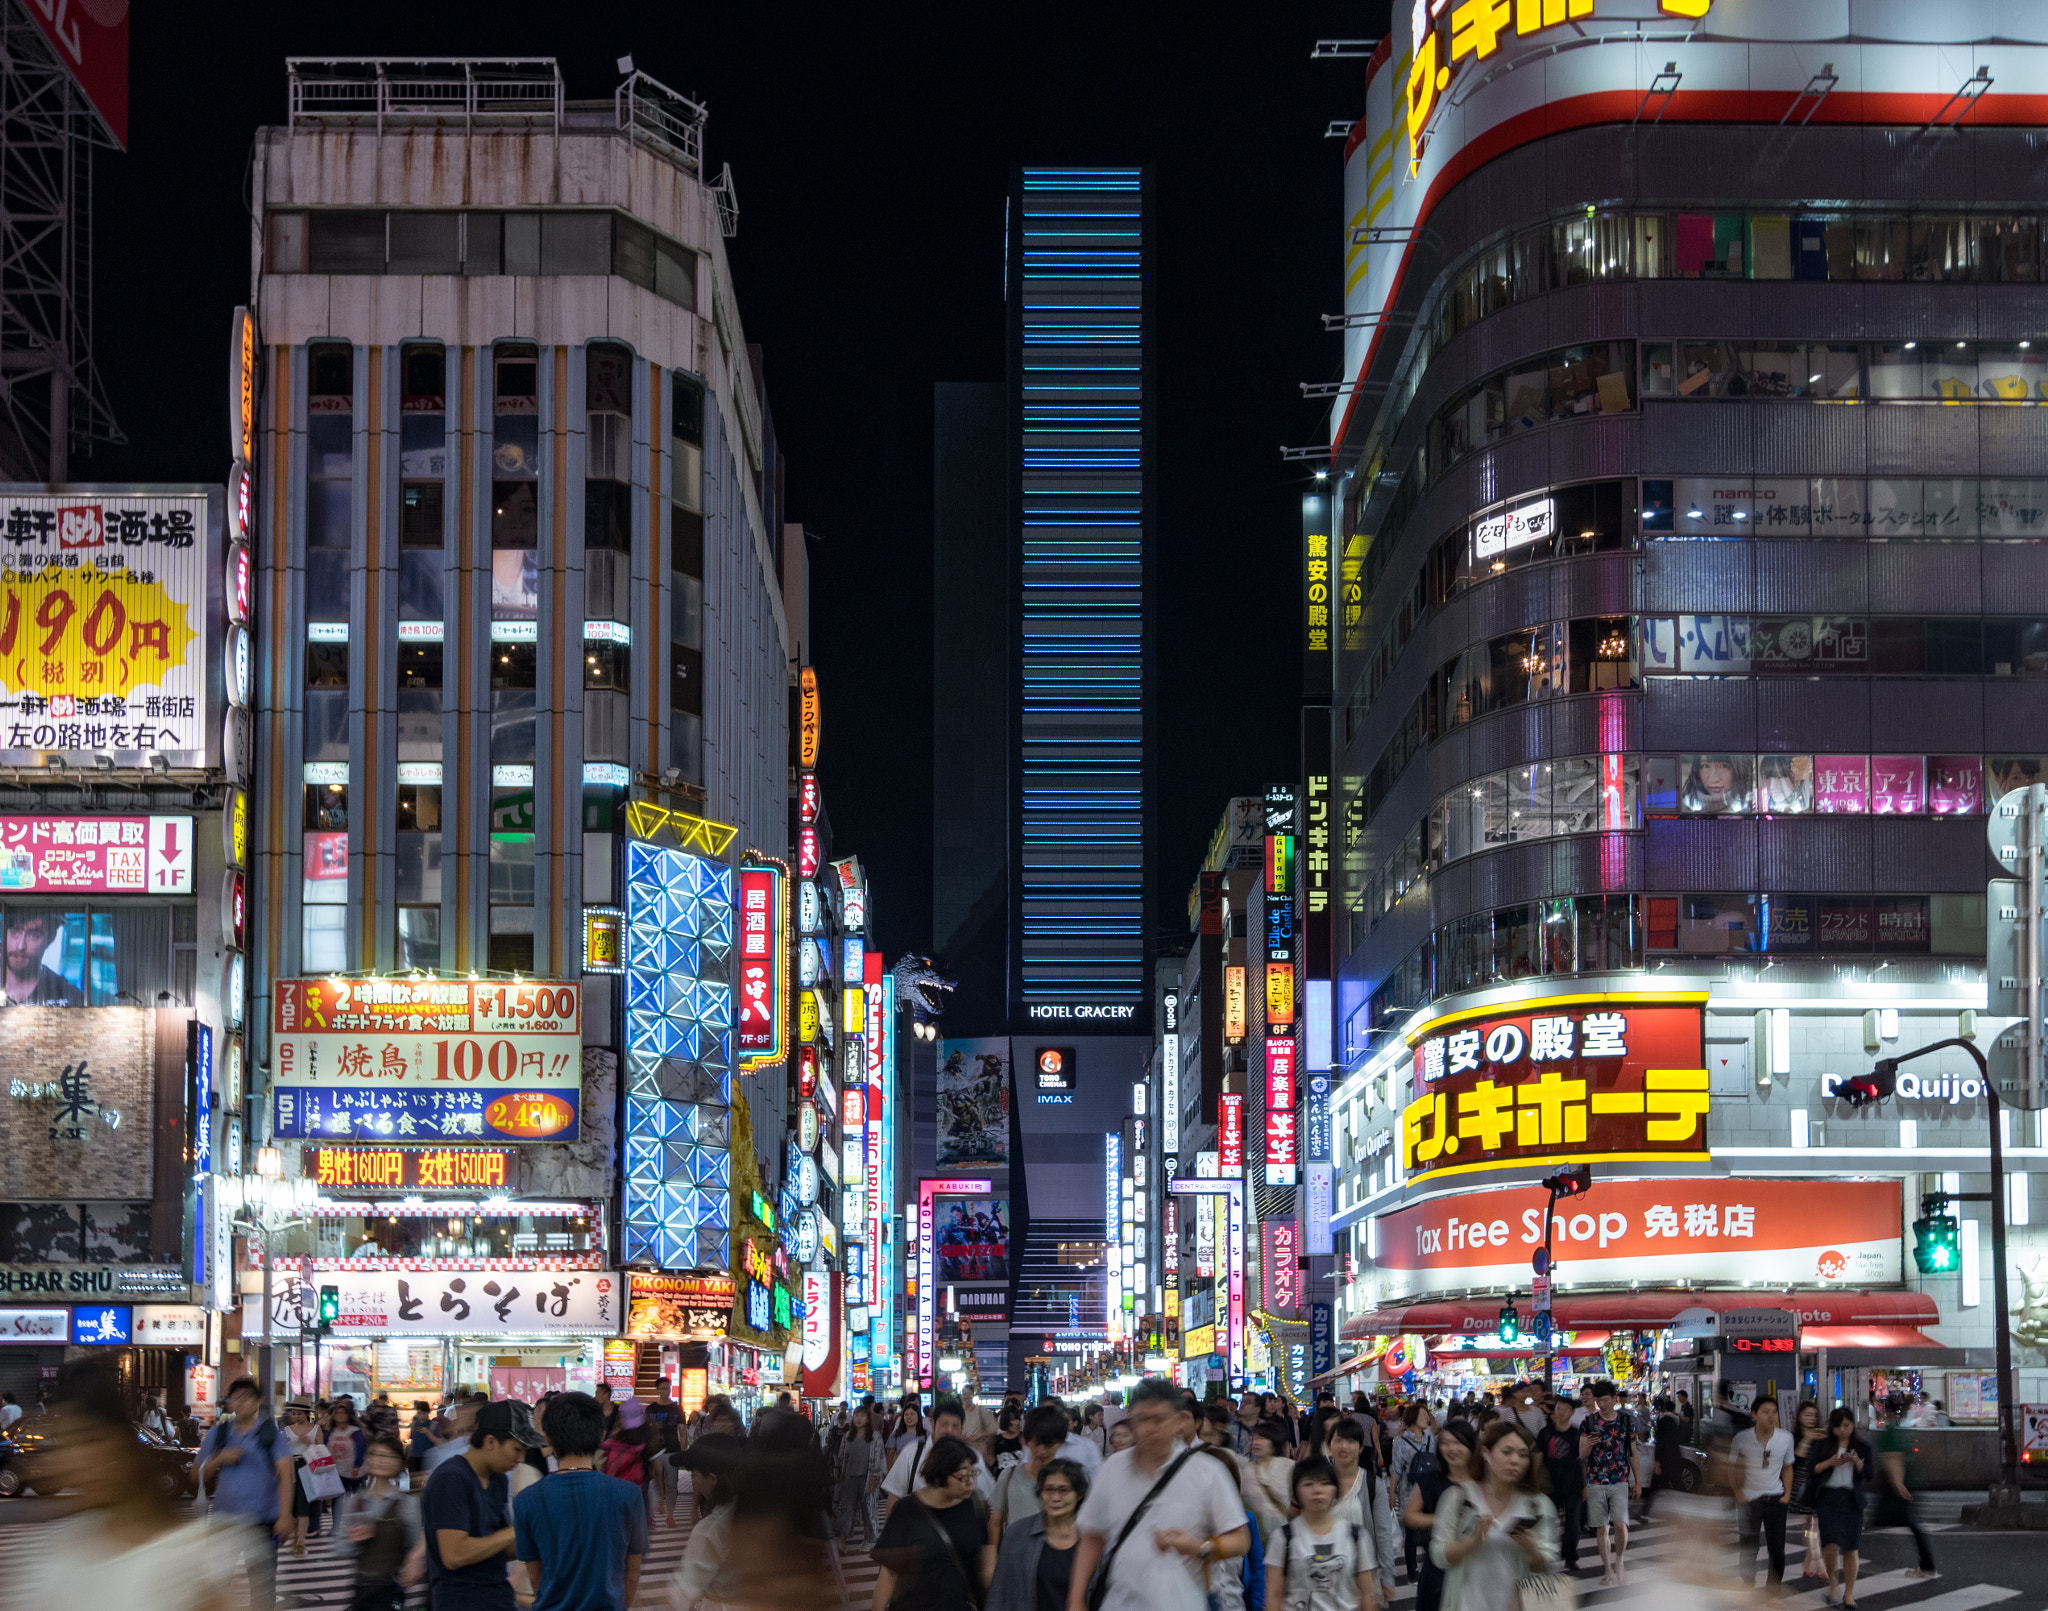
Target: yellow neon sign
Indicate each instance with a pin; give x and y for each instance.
(646, 820)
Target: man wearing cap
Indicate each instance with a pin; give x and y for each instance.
(466, 1512)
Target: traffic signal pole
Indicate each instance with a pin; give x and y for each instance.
(1550, 1275)
(1886, 1075)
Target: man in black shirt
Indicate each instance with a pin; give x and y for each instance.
(1558, 1444)
(466, 1512)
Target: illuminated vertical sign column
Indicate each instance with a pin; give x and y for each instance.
(679, 1040)
(1230, 1191)
(1082, 413)
(761, 1034)
(1282, 1148)
(1169, 1079)
(881, 1076)
(927, 1266)
(1113, 1234)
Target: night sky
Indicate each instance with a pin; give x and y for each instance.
(870, 155)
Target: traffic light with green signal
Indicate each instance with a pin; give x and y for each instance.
(1510, 1323)
(330, 1307)
(1935, 1238)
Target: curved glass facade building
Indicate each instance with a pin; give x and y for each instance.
(1691, 561)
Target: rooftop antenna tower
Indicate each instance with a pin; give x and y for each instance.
(63, 93)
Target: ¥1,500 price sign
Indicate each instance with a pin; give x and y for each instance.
(427, 1060)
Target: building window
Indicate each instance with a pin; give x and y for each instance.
(325, 734)
(418, 845)
(419, 701)
(515, 482)
(608, 448)
(330, 479)
(422, 447)
(419, 937)
(324, 848)
(686, 440)
(686, 602)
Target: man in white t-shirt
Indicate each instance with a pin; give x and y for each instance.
(1587, 1406)
(902, 1478)
(1196, 1517)
(1525, 1406)
(10, 1412)
(1762, 1479)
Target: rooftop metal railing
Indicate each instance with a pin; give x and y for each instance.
(382, 91)
(648, 109)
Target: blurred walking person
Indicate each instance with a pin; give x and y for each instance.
(251, 1464)
(1491, 1534)
(705, 1579)
(665, 1443)
(1894, 1498)
(857, 1476)
(1607, 1446)
(125, 1546)
(379, 1526)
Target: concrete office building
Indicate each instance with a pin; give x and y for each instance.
(519, 565)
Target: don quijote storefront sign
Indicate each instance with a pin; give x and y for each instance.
(1656, 1231)
(1536, 1082)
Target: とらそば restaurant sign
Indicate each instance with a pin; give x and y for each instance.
(1545, 1081)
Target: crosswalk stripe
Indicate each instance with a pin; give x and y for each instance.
(1964, 1599)
(1872, 1583)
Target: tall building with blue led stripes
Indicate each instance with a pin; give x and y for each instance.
(1080, 424)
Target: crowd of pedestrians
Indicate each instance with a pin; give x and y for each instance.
(1157, 1503)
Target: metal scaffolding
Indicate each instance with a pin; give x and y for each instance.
(52, 402)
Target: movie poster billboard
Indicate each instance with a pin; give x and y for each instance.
(974, 1104)
(110, 626)
(971, 1238)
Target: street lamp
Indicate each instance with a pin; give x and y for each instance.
(267, 1203)
(1880, 1083)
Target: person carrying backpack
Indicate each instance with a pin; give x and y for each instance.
(252, 1471)
(1321, 1560)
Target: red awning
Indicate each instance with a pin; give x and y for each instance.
(1649, 1310)
(1812, 1337)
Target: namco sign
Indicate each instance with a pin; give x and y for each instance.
(1642, 1230)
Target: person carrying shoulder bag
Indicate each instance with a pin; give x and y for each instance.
(1496, 1538)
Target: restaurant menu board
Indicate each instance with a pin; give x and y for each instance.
(427, 1060)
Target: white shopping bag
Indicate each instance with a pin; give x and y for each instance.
(318, 1476)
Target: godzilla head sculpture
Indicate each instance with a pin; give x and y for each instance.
(919, 987)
